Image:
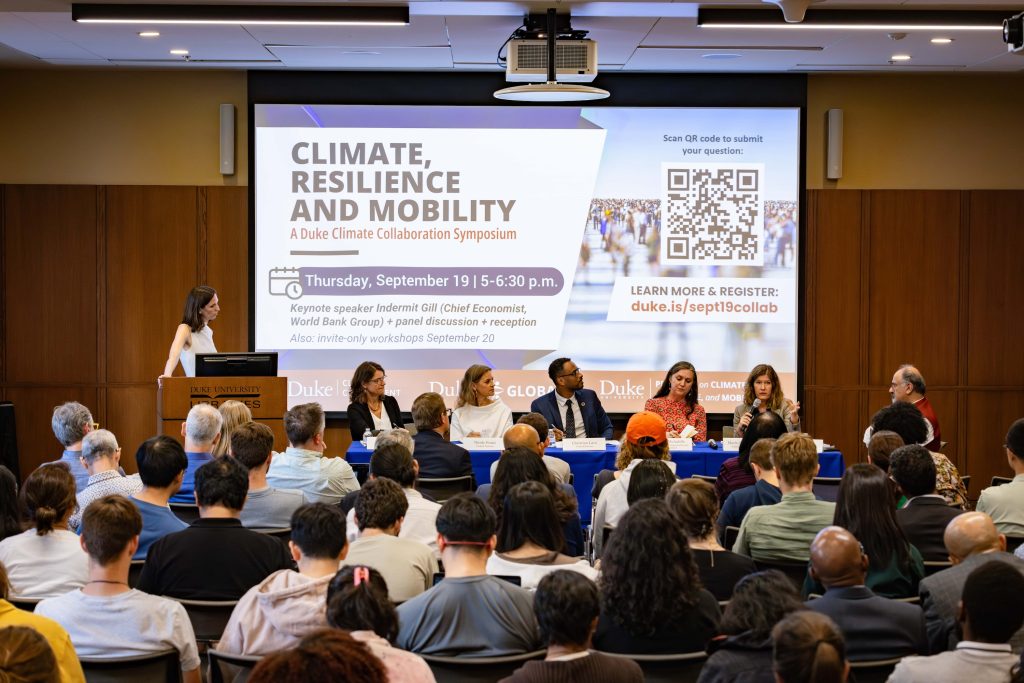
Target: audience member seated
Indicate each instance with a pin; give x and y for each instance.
(215, 558)
(120, 621)
(567, 607)
(266, 507)
(907, 421)
(477, 412)
(694, 505)
(437, 622)
(26, 657)
(71, 421)
(880, 448)
(303, 465)
(438, 458)
(652, 599)
(327, 655)
(162, 462)
(808, 648)
(531, 432)
(765, 490)
(990, 612)
(233, 415)
(10, 516)
(392, 459)
(873, 627)
(972, 540)
(650, 479)
(925, 516)
(743, 651)
(408, 566)
(783, 532)
(47, 559)
(67, 661)
(864, 508)
(201, 430)
(275, 613)
(357, 602)
(573, 411)
(519, 464)
(530, 538)
(645, 438)
(102, 457)
(1005, 504)
(736, 473)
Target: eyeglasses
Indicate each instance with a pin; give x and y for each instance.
(575, 373)
(379, 380)
(95, 425)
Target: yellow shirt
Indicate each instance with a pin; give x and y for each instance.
(63, 651)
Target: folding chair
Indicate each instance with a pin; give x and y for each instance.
(794, 571)
(477, 669)
(933, 566)
(997, 481)
(27, 604)
(827, 488)
(442, 489)
(877, 671)
(668, 668)
(284, 533)
(153, 668)
(134, 572)
(208, 617)
(705, 477)
(731, 532)
(238, 666)
(186, 512)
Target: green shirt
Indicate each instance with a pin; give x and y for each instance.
(783, 532)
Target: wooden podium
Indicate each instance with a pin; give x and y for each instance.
(267, 398)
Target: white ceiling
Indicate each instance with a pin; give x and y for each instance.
(463, 36)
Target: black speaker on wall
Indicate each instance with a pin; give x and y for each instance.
(8, 439)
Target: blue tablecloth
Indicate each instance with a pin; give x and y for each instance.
(585, 464)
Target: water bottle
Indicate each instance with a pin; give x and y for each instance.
(551, 436)
(367, 435)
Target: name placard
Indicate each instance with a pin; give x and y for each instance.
(680, 444)
(583, 444)
(371, 443)
(819, 444)
(478, 443)
(731, 444)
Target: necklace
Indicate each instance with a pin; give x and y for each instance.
(116, 583)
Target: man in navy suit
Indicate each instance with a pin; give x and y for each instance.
(874, 627)
(438, 458)
(574, 412)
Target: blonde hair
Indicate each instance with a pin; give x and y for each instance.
(234, 414)
(628, 452)
(795, 458)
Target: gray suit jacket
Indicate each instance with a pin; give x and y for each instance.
(940, 595)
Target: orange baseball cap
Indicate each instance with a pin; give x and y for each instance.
(645, 429)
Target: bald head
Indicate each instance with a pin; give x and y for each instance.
(972, 533)
(523, 435)
(837, 559)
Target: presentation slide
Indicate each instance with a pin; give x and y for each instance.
(429, 239)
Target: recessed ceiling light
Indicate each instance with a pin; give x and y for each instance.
(721, 55)
(900, 58)
(149, 34)
(941, 41)
(280, 14)
(179, 51)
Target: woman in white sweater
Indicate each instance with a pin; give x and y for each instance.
(477, 413)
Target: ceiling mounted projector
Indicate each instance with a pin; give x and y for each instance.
(546, 46)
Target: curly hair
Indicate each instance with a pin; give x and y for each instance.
(775, 400)
(519, 464)
(326, 655)
(628, 452)
(666, 386)
(648, 575)
(759, 601)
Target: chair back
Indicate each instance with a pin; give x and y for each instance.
(877, 671)
(186, 512)
(827, 488)
(27, 604)
(933, 566)
(794, 571)
(571, 480)
(362, 470)
(1013, 542)
(208, 617)
(668, 668)
(444, 488)
(284, 533)
(731, 532)
(705, 477)
(477, 669)
(134, 572)
(238, 667)
(997, 481)
(157, 667)
(966, 479)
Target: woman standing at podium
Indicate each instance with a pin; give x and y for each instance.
(676, 402)
(370, 407)
(193, 334)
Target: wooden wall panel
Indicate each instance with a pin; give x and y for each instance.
(131, 415)
(834, 276)
(50, 283)
(913, 303)
(995, 324)
(151, 266)
(227, 262)
(33, 408)
(989, 415)
(836, 419)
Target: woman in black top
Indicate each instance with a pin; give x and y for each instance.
(652, 600)
(368, 400)
(695, 507)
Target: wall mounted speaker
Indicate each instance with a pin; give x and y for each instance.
(834, 145)
(227, 139)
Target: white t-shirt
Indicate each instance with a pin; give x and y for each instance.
(491, 421)
(531, 574)
(420, 523)
(44, 566)
(123, 625)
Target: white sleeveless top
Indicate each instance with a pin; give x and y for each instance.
(199, 342)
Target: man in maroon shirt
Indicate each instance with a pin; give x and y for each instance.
(908, 386)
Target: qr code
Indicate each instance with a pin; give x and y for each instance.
(712, 214)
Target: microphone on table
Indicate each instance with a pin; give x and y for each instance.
(712, 444)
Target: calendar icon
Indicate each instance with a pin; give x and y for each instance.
(285, 282)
